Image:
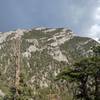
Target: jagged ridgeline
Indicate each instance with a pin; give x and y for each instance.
(44, 52)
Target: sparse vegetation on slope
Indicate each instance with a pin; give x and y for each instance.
(44, 53)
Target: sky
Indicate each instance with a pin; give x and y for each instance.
(81, 16)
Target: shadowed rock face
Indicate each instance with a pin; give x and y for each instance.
(44, 53)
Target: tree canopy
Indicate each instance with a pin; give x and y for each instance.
(85, 74)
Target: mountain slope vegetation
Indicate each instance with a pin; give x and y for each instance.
(44, 52)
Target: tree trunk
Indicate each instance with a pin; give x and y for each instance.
(97, 86)
(84, 91)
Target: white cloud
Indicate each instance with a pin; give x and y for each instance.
(98, 1)
(97, 14)
(94, 32)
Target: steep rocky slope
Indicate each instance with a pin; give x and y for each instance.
(44, 53)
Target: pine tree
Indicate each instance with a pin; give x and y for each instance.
(86, 75)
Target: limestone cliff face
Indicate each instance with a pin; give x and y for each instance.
(44, 53)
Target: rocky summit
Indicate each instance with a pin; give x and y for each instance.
(43, 53)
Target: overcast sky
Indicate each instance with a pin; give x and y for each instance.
(82, 16)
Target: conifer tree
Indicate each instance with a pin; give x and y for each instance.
(86, 75)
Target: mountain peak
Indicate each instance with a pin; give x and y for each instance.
(44, 53)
